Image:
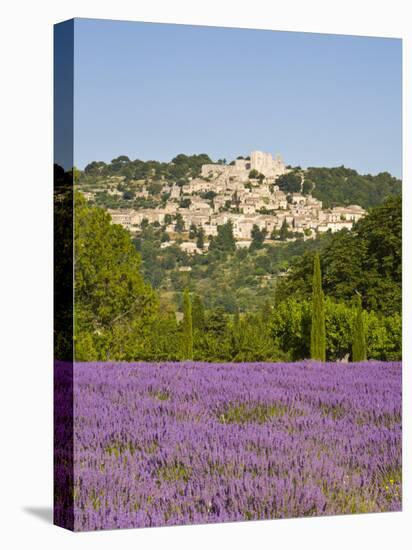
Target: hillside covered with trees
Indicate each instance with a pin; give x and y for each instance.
(180, 167)
(343, 186)
(131, 306)
(337, 186)
(366, 262)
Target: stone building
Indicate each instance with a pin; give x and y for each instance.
(264, 163)
(242, 201)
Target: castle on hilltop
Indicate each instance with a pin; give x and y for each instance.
(240, 168)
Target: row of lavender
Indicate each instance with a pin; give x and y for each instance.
(167, 444)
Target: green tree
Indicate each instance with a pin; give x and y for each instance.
(253, 174)
(224, 241)
(339, 329)
(359, 340)
(180, 224)
(95, 168)
(163, 343)
(307, 187)
(343, 186)
(216, 323)
(290, 328)
(187, 328)
(253, 340)
(258, 237)
(198, 314)
(214, 344)
(275, 234)
(366, 260)
(200, 240)
(114, 307)
(284, 232)
(154, 188)
(192, 231)
(317, 333)
(185, 202)
(289, 183)
(128, 195)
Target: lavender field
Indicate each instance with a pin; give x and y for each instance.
(167, 444)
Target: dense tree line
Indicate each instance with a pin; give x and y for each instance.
(343, 186)
(114, 307)
(366, 261)
(291, 330)
(333, 186)
(120, 316)
(340, 186)
(178, 169)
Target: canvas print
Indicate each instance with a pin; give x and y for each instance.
(228, 282)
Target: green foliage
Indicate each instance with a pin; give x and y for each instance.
(192, 231)
(114, 307)
(95, 168)
(244, 413)
(252, 339)
(384, 336)
(198, 314)
(128, 195)
(180, 168)
(343, 186)
(339, 318)
(365, 261)
(208, 195)
(317, 333)
(275, 234)
(234, 319)
(258, 237)
(290, 182)
(185, 203)
(200, 239)
(118, 316)
(253, 174)
(163, 342)
(307, 187)
(284, 232)
(359, 340)
(155, 188)
(180, 224)
(290, 328)
(187, 328)
(224, 241)
(214, 343)
(380, 236)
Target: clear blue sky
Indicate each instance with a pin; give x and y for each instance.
(151, 91)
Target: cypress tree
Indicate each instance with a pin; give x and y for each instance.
(200, 241)
(187, 337)
(318, 333)
(358, 339)
(198, 314)
(284, 231)
(266, 313)
(235, 333)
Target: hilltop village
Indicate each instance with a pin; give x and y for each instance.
(245, 192)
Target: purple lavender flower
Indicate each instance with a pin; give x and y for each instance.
(168, 444)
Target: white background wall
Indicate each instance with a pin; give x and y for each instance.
(26, 273)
